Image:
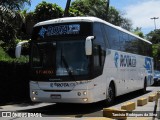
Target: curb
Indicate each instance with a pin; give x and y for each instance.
(128, 107)
(142, 101)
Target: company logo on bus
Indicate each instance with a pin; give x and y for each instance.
(62, 84)
(42, 32)
(124, 60)
(148, 64)
(127, 61)
(59, 30)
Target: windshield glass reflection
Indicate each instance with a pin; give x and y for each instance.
(71, 58)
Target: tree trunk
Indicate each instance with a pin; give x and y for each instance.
(66, 12)
(108, 2)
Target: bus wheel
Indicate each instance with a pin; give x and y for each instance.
(111, 94)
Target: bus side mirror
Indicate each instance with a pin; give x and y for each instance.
(88, 45)
(19, 48)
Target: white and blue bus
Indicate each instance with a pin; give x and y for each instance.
(86, 60)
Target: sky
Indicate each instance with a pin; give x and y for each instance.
(139, 12)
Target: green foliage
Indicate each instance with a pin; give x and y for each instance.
(46, 11)
(7, 32)
(30, 16)
(81, 6)
(7, 52)
(90, 7)
(15, 76)
(3, 55)
(156, 55)
(156, 50)
(14, 4)
(114, 16)
(138, 32)
(10, 19)
(154, 36)
(6, 58)
(74, 13)
(99, 8)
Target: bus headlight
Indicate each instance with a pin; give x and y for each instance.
(34, 92)
(85, 99)
(84, 93)
(34, 98)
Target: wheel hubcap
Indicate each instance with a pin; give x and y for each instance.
(110, 94)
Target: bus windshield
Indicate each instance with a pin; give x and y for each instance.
(66, 57)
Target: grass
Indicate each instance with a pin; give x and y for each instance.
(5, 57)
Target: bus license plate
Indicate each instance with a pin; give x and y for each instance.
(55, 96)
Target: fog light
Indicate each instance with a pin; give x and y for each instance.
(85, 99)
(79, 94)
(34, 98)
(84, 93)
(34, 92)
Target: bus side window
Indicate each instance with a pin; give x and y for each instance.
(113, 37)
(96, 56)
(101, 55)
(99, 58)
(99, 46)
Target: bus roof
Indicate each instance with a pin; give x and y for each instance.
(86, 19)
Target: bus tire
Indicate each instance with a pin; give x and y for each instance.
(144, 86)
(111, 94)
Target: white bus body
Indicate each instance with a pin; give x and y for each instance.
(125, 71)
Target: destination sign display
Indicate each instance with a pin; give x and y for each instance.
(62, 30)
(59, 30)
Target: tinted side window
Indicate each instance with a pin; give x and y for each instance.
(113, 37)
(99, 47)
(124, 40)
(141, 48)
(132, 45)
(99, 40)
(96, 56)
(149, 50)
(97, 31)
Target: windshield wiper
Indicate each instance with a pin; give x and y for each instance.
(67, 67)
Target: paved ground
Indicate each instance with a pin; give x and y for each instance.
(79, 112)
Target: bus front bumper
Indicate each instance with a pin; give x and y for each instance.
(68, 96)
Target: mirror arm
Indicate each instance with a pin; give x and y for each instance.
(18, 48)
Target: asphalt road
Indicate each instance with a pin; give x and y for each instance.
(73, 110)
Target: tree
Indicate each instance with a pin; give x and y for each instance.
(101, 9)
(154, 36)
(81, 6)
(10, 18)
(89, 7)
(46, 11)
(138, 32)
(14, 5)
(116, 17)
(156, 55)
(43, 11)
(73, 12)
